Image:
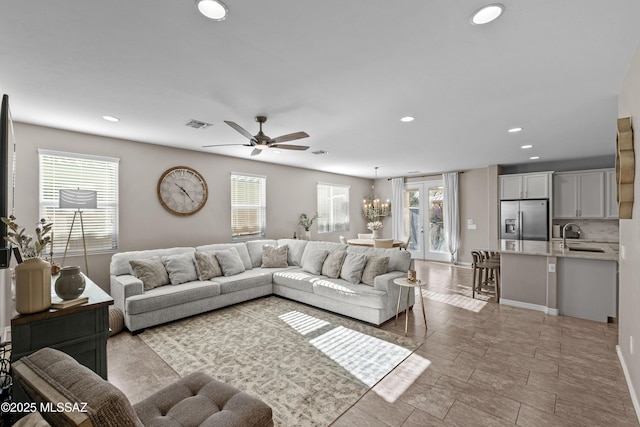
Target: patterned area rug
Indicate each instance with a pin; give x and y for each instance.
(307, 364)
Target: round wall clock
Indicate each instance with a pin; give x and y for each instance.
(182, 190)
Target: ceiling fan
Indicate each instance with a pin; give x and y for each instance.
(261, 141)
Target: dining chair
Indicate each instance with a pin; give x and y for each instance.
(365, 236)
(383, 243)
(343, 240)
(405, 243)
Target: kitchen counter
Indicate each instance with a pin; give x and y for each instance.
(552, 249)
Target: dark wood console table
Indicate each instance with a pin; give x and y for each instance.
(81, 331)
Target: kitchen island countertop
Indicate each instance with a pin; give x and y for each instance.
(552, 249)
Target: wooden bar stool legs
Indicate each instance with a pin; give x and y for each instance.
(486, 272)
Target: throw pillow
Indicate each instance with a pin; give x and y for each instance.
(314, 260)
(151, 271)
(274, 257)
(181, 268)
(230, 261)
(352, 267)
(333, 264)
(207, 265)
(376, 265)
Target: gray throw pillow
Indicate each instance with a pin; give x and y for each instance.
(230, 261)
(181, 268)
(314, 260)
(333, 264)
(274, 257)
(352, 267)
(207, 265)
(151, 271)
(376, 265)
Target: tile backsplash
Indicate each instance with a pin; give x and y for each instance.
(597, 230)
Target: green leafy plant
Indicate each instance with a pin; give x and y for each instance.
(29, 248)
(305, 222)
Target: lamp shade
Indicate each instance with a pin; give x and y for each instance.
(78, 199)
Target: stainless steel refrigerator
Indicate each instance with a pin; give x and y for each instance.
(524, 219)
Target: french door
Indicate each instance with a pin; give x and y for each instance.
(424, 222)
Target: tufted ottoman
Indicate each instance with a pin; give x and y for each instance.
(49, 375)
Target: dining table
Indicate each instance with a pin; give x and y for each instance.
(369, 242)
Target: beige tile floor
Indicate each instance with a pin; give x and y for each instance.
(480, 364)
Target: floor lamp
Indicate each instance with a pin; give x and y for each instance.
(78, 200)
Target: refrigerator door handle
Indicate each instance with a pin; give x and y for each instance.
(520, 218)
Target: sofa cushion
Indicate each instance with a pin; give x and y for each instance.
(296, 249)
(398, 260)
(333, 264)
(207, 265)
(230, 261)
(248, 279)
(168, 296)
(376, 265)
(151, 271)
(120, 261)
(254, 247)
(274, 257)
(341, 290)
(240, 247)
(352, 267)
(315, 245)
(314, 260)
(296, 279)
(181, 268)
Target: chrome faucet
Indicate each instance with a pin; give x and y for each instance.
(563, 245)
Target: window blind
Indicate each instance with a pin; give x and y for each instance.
(248, 206)
(60, 171)
(333, 208)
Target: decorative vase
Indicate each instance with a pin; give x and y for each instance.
(307, 235)
(70, 284)
(33, 286)
(376, 234)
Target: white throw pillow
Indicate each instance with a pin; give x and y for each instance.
(314, 261)
(352, 267)
(230, 261)
(181, 268)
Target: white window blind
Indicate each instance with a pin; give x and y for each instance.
(60, 171)
(248, 206)
(333, 208)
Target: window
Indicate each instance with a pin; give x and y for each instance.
(248, 206)
(63, 171)
(333, 208)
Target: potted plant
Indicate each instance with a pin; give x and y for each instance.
(305, 222)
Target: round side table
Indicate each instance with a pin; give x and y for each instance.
(404, 283)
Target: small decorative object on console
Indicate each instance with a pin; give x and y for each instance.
(70, 284)
(411, 276)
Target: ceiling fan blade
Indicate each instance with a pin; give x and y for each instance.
(290, 147)
(240, 129)
(226, 145)
(255, 152)
(289, 137)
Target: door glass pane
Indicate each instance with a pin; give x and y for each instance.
(436, 226)
(412, 220)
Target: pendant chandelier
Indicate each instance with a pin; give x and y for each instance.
(372, 208)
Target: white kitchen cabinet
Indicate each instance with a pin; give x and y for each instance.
(524, 186)
(611, 196)
(579, 194)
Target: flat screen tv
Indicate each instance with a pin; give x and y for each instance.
(7, 149)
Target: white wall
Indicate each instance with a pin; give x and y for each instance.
(145, 224)
(629, 273)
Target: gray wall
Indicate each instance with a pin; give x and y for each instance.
(145, 224)
(629, 270)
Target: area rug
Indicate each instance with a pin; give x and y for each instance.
(309, 365)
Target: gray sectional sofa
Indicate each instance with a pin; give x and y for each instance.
(298, 277)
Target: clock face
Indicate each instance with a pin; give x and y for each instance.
(182, 190)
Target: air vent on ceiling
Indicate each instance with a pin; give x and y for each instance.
(197, 124)
(320, 152)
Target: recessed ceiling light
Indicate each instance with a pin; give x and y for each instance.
(212, 9)
(407, 119)
(526, 147)
(111, 118)
(487, 13)
(514, 130)
(534, 157)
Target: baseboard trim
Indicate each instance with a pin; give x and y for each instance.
(529, 306)
(632, 392)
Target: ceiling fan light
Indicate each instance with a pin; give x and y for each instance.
(487, 13)
(212, 9)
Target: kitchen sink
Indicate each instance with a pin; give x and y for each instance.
(596, 250)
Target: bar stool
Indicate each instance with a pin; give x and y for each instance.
(486, 271)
